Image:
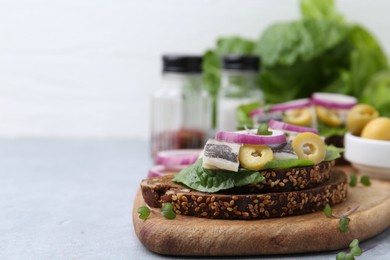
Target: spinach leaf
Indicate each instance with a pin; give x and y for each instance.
(198, 178)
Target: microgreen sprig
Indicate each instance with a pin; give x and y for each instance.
(167, 211)
(343, 218)
(355, 250)
(365, 180)
(144, 212)
(263, 129)
(353, 181)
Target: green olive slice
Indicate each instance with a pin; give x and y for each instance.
(255, 157)
(309, 146)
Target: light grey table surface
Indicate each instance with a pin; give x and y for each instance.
(72, 199)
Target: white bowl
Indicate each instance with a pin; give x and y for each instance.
(370, 157)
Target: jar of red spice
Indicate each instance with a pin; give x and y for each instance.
(181, 108)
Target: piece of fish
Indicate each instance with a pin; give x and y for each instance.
(221, 155)
(283, 151)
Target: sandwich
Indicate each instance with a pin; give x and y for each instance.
(253, 174)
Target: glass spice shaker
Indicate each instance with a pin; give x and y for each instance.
(181, 108)
(238, 86)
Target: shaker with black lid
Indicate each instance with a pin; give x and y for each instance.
(181, 108)
(238, 86)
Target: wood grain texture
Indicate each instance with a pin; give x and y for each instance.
(306, 233)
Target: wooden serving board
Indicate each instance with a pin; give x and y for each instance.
(298, 234)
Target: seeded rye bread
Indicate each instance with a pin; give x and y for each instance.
(160, 190)
(298, 178)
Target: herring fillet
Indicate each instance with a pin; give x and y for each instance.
(221, 155)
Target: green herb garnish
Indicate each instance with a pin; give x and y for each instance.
(328, 211)
(343, 224)
(365, 180)
(343, 218)
(355, 250)
(167, 211)
(263, 129)
(352, 180)
(144, 212)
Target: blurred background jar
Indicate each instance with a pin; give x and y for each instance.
(181, 108)
(239, 86)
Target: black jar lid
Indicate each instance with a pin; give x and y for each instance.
(182, 63)
(241, 62)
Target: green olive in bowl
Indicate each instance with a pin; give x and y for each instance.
(378, 129)
(359, 116)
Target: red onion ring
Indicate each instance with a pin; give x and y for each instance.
(331, 100)
(173, 158)
(298, 103)
(295, 104)
(250, 137)
(161, 170)
(273, 124)
(255, 112)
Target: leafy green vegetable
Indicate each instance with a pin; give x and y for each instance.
(343, 224)
(323, 9)
(287, 163)
(167, 211)
(319, 52)
(328, 131)
(242, 114)
(263, 129)
(301, 57)
(355, 250)
(167, 207)
(144, 212)
(365, 180)
(328, 211)
(198, 178)
(286, 43)
(352, 180)
(366, 59)
(333, 152)
(211, 65)
(377, 93)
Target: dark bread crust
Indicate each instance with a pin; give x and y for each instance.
(160, 190)
(289, 179)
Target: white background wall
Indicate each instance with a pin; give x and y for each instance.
(86, 68)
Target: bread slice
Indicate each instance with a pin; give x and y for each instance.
(298, 178)
(160, 190)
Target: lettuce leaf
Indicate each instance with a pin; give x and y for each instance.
(242, 115)
(377, 93)
(320, 9)
(211, 77)
(288, 163)
(200, 179)
(333, 152)
(328, 131)
(366, 60)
